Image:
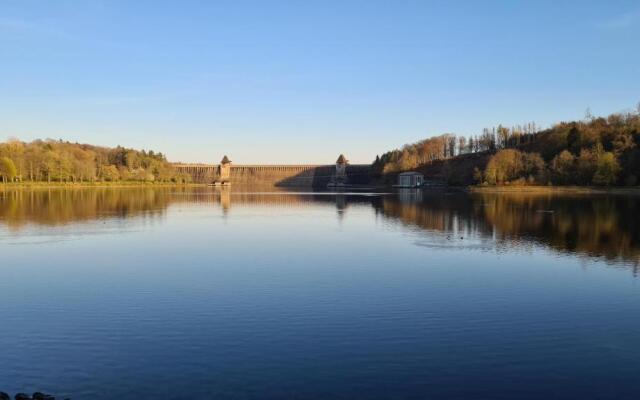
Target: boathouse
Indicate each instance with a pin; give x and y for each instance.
(410, 179)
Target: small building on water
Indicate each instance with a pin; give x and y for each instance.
(410, 179)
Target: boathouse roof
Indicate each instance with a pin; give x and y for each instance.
(341, 159)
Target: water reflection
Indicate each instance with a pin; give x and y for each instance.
(53, 207)
(594, 226)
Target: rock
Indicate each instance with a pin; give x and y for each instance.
(4, 396)
(22, 396)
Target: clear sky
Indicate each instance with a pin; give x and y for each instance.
(302, 81)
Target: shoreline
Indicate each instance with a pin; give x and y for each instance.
(634, 190)
(71, 185)
(617, 190)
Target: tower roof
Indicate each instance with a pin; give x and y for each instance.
(225, 160)
(341, 159)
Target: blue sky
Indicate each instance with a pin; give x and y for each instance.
(302, 81)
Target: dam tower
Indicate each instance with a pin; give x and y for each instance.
(341, 168)
(224, 175)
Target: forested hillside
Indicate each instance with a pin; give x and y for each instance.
(594, 151)
(58, 161)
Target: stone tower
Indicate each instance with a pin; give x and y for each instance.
(341, 169)
(225, 170)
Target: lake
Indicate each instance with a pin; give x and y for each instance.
(206, 293)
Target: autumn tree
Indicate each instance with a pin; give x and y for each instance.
(607, 170)
(562, 167)
(7, 169)
(586, 166)
(110, 173)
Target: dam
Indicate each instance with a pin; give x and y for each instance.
(302, 175)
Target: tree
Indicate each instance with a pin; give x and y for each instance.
(622, 141)
(110, 173)
(574, 140)
(510, 165)
(47, 164)
(607, 170)
(462, 145)
(587, 164)
(7, 169)
(33, 155)
(533, 167)
(477, 175)
(502, 135)
(408, 160)
(63, 167)
(587, 114)
(16, 149)
(451, 144)
(562, 167)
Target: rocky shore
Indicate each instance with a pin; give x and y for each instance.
(24, 396)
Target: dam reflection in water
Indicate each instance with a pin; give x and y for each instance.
(205, 293)
(595, 226)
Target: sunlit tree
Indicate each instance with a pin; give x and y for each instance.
(7, 169)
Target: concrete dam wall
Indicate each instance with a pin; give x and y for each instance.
(281, 175)
(276, 175)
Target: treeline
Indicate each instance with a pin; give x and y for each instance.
(594, 151)
(58, 161)
(450, 145)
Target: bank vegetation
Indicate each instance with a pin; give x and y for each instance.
(59, 162)
(603, 151)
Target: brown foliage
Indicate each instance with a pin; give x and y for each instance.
(51, 160)
(603, 151)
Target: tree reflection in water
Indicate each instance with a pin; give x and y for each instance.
(595, 226)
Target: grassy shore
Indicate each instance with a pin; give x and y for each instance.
(93, 184)
(634, 190)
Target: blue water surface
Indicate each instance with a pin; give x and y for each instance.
(205, 294)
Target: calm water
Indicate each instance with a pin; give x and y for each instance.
(201, 294)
